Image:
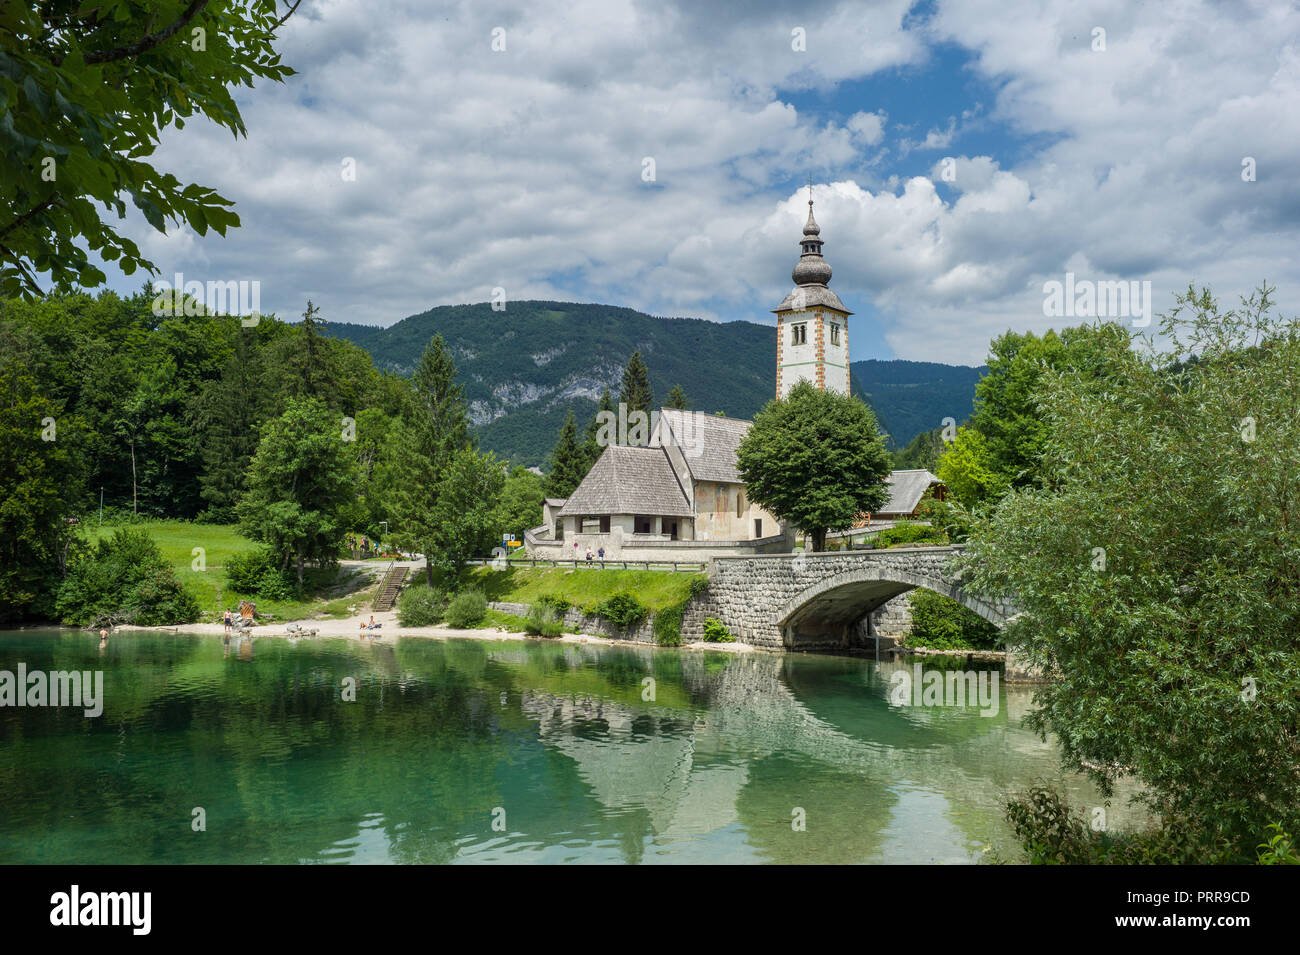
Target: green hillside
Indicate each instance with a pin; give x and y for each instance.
(525, 367)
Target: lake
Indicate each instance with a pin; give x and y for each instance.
(476, 751)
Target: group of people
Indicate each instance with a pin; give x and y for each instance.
(598, 555)
(363, 545)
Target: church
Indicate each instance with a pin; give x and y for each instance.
(679, 496)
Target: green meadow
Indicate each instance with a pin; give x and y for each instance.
(330, 592)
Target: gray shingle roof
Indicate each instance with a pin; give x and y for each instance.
(906, 488)
(628, 480)
(708, 442)
(813, 296)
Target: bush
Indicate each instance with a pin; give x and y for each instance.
(668, 622)
(1280, 849)
(541, 621)
(420, 605)
(256, 573)
(909, 532)
(668, 627)
(943, 624)
(558, 604)
(124, 579)
(623, 610)
(273, 585)
(467, 609)
(1053, 834)
(950, 517)
(715, 631)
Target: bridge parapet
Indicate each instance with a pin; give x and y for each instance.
(791, 600)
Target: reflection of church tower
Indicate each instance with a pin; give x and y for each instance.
(812, 324)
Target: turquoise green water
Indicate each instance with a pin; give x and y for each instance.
(498, 751)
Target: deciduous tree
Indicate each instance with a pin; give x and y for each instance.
(87, 89)
(815, 458)
(1157, 572)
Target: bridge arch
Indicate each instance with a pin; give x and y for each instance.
(831, 605)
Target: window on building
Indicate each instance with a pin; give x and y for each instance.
(799, 334)
(740, 503)
(835, 334)
(758, 528)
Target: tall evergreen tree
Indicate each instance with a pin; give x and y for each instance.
(677, 399)
(316, 378)
(441, 410)
(570, 462)
(417, 460)
(592, 448)
(228, 413)
(636, 392)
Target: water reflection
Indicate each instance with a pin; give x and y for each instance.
(477, 751)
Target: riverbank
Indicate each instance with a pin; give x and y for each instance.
(390, 631)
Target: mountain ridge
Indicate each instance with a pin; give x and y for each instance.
(525, 367)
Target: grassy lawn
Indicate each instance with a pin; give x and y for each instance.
(656, 589)
(328, 597)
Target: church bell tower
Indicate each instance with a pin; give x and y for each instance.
(812, 324)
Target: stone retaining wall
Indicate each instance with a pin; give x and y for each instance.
(575, 619)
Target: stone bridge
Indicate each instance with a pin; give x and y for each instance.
(796, 601)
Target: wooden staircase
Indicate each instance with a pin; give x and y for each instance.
(391, 586)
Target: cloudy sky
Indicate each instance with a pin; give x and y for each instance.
(527, 168)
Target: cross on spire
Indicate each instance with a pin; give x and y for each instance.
(810, 190)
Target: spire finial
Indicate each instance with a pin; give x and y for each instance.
(809, 190)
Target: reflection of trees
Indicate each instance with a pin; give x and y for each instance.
(413, 769)
(781, 782)
(283, 768)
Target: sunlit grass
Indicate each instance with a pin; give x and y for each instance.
(330, 594)
(583, 587)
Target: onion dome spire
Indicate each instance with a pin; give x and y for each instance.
(811, 269)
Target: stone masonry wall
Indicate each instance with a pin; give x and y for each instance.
(893, 618)
(575, 619)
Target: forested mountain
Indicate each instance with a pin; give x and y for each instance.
(525, 367)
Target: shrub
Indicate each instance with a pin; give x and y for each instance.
(257, 573)
(541, 621)
(668, 622)
(950, 517)
(668, 627)
(273, 585)
(124, 579)
(943, 624)
(623, 610)
(715, 631)
(558, 604)
(420, 606)
(910, 532)
(1280, 849)
(466, 609)
(1052, 834)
